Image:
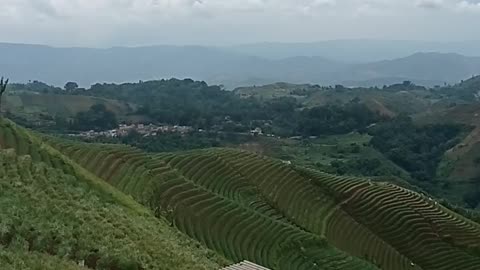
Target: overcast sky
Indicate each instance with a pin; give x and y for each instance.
(104, 23)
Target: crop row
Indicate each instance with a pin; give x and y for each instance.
(418, 227)
(49, 212)
(241, 204)
(214, 204)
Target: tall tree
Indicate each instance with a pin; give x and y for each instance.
(3, 88)
(70, 86)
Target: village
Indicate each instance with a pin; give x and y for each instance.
(142, 129)
(148, 130)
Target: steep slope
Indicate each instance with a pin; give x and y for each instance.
(262, 210)
(51, 208)
(227, 214)
(460, 164)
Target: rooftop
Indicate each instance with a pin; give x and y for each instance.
(245, 265)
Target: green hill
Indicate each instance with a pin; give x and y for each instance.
(67, 105)
(241, 205)
(54, 215)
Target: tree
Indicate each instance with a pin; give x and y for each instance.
(70, 86)
(98, 118)
(3, 88)
(407, 83)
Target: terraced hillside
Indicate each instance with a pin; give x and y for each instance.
(243, 206)
(228, 215)
(56, 215)
(248, 207)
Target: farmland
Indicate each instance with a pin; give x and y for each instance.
(297, 203)
(248, 207)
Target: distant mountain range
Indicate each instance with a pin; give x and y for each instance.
(227, 66)
(357, 50)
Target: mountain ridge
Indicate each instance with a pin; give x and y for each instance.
(24, 62)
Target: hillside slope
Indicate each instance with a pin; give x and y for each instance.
(52, 207)
(243, 206)
(66, 105)
(249, 207)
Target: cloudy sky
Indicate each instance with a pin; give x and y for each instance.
(103, 23)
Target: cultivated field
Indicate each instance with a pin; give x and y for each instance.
(241, 205)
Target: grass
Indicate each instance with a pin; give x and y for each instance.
(319, 153)
(20, 260)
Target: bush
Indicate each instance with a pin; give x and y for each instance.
(472, 199)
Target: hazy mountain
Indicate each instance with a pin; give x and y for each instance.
(382, 81)
(422, 68)
(220, 66)
(87, 66)
(357, 50)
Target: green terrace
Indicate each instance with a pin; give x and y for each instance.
(240, 206)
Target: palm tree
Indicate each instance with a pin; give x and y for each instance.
(3, 88)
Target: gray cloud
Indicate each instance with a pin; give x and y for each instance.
(430, 4)
(138, 22)
(472, 5)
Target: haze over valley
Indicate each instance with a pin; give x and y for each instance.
(350, 63)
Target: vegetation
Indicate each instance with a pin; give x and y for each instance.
(191, 103)
(416, 149)
(182, 102)
(70, 86)
(20, 260)
(96, 118)
(36, 87)
(50, 207)
(281, 213)
(244, 206)
(170, 142)
(3, 88)
(280, 110)
(336, 120)
(348, 154)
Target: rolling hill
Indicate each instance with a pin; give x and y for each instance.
(387, 103)
(65, 105)
(241, 205)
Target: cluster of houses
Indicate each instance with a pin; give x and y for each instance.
(142, 129)
(150, 130)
